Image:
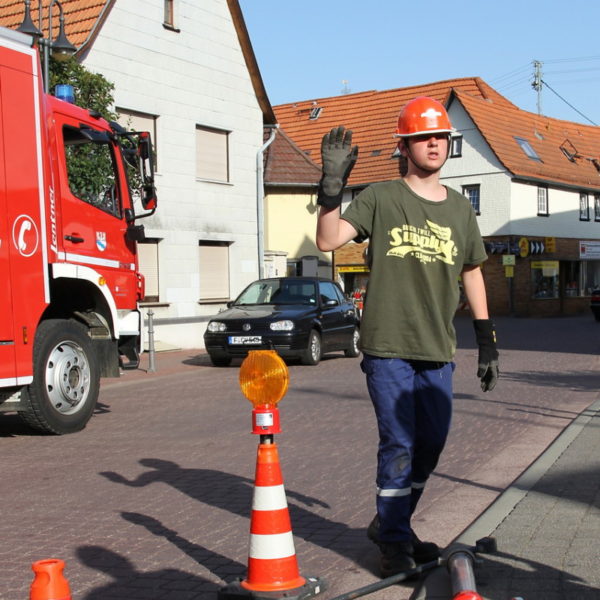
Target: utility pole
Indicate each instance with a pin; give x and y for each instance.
(537, 83)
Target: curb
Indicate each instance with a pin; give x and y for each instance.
(437, 586)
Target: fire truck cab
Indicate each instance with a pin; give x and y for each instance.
(68, 246)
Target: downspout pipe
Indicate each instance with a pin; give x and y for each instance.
(260, 200)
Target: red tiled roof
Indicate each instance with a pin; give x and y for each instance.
(84, 18)
(500, 124)
(81, 16)
(286, 164)
(372, 116)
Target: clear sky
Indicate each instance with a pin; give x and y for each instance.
(317, 49)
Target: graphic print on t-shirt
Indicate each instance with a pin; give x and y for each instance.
(428, 244)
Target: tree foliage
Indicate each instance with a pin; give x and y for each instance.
(92, 90)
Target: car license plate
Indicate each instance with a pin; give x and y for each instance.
(245, 340)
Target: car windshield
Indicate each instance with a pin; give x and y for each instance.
(278, 291)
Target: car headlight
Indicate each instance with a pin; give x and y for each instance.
(286, 325)
(216, 326)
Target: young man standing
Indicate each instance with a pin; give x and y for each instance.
(422, 237)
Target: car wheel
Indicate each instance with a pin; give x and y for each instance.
(220, 361)
(62, 396)
(312, 356)
(353, 351)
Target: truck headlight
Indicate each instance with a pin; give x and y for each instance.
(286, 325)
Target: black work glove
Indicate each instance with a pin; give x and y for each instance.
(338, 158)
(488, 370)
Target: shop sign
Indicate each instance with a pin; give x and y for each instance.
(353, 269)
(509, 271)
(589, 250)
(523, 247)
(544, 264)
(550, 244)
(508, 260)
(549, 267)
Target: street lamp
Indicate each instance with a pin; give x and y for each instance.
(61, 48)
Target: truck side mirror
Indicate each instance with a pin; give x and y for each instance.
(144, 151)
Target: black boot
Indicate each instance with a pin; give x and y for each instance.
(396, 557)
(423, 552)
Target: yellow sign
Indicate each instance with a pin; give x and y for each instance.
(550, 244)
(509, 271)
(353, 269)
(544, 264)
(523, 247)
(508, 260)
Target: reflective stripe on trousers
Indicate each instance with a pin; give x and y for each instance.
(413, 406)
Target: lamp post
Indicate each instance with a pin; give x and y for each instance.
(61, 48)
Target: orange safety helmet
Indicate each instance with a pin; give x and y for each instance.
(421, 116)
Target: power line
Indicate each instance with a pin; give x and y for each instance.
(567, 103)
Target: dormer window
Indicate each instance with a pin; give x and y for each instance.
(528, 149)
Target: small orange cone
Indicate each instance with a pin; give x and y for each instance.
(272, 565)
(49, 582)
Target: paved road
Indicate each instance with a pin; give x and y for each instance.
(152, 499)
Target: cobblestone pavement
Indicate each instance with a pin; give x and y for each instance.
(152, 500)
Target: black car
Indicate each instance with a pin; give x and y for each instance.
(298, 317)
(595, 304)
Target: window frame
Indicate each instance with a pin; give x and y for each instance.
(456, 142)
(210, 174)
(541, 210)
(597, 207)
(465, 192)
(154, 298)
(170, 15)
(584, 207)
(207, 298)
(527, 148)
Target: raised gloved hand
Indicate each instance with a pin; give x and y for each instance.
(338, 158)
(488, 370)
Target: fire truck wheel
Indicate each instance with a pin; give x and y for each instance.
(66, 382)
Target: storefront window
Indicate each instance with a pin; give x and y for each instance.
(590, 276)
(544, 279)
(572, 271)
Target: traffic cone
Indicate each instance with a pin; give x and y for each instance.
(272, 565)
(49, 582)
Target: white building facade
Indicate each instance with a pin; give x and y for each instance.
(181, 74)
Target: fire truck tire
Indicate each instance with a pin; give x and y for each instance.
(66, 382)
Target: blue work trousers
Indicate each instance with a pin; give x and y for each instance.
(413, 406)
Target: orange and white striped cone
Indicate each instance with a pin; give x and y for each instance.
(49, 582)
(272, 565)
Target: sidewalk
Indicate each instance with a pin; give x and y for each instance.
(546, 525)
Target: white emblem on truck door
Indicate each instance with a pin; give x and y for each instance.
(25, 235)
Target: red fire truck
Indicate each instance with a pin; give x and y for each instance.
(70, 284)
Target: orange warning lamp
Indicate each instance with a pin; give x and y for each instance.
(264, 380)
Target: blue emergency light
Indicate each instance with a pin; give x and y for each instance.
(64, 91)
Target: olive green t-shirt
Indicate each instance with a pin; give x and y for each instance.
(417, 251)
